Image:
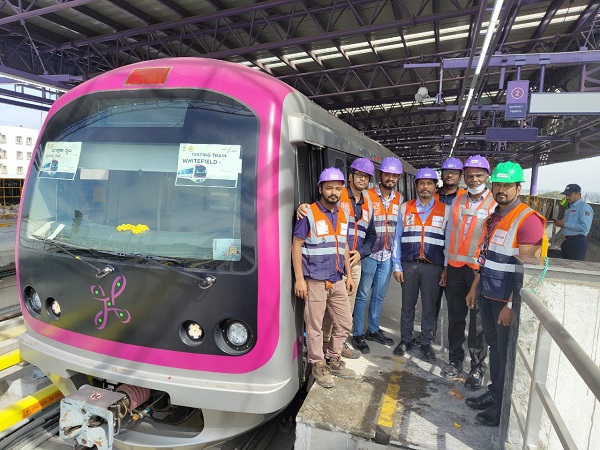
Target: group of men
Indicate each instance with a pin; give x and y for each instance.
(465, 241)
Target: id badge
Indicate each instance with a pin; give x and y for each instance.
(481, 259)
(322, 227)
(344, 229)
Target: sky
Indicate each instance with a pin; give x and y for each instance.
(553, 177)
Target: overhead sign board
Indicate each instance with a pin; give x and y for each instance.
(517, 95)
(511, 134)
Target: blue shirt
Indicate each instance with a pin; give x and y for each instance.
(578, 219)
(424, 211)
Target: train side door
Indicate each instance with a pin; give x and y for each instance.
(336, 159)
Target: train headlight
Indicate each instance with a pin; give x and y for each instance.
(194, 331)
(191, 333)
(53, 308)
(234, 336)
(237, 334)
(32, 301)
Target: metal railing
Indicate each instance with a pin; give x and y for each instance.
(550, 329)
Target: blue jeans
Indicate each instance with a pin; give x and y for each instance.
(375, 275)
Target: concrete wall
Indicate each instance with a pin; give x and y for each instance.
(571, 291)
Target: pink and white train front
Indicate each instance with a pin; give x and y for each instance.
(153, 256)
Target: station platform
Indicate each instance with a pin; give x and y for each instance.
(395, 401)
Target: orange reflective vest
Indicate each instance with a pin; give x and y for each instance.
(498, 254)
(357, 229)
(423, 239)
(463, 249)
(384, 220)
(324, 247)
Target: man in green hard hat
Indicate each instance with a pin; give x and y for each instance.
(512, 229)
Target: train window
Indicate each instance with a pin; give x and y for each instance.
(123, 196)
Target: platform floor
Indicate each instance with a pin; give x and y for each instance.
(396, 401)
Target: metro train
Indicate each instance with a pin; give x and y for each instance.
(165, 312)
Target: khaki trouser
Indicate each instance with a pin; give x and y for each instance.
(335, 302)
(327, 322)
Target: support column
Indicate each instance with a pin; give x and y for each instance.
(534, 173)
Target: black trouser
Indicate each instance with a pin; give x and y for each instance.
(497, 338)
(574, 247)
(458, 284)
(424, 278)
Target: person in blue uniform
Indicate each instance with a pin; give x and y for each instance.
(418, 260)
(576, 224)
(320, 258)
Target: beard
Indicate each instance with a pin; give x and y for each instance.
(503, 199)
(332, 199)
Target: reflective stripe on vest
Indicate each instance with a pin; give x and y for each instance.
(384, 220)
(465, 249)
(497, 274)
(323, 249)
(423, 240)
(356, 228)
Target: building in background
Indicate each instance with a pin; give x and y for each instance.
(16, 148)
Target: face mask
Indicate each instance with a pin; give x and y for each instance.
(478, 190)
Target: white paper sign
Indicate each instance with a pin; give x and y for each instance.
(208, 165)
(61, 160)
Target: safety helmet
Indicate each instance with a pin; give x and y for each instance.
(477, 162)
(452, 164)
(507, 172)
(426, 173)
(331, 174)
(363, 165)
(391, 165)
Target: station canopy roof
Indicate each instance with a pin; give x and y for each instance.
(415, 75)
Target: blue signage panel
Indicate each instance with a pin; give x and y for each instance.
(517, 95)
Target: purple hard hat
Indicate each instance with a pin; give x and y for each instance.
(426, 173)
(331, 174)
(452, 164)
(391, 165)
(477, 162)
(363, 165)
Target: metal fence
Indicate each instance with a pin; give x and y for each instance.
(540, 400)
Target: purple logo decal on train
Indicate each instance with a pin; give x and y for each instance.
(117, 289)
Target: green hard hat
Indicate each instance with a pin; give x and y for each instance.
(507, 172)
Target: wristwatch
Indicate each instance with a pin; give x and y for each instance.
(509, 304)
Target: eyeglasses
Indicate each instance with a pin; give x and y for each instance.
(361, 175)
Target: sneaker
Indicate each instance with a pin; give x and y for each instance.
(474, 381)
(378, 336)
(339, 369)
(453, 369)
(322, 374)
(360, 344)
(350, 353)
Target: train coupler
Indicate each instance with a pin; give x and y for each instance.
(91, 417)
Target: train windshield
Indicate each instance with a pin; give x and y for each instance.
(156, 173)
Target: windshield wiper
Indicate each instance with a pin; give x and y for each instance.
(203, 282)
(100, 273)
